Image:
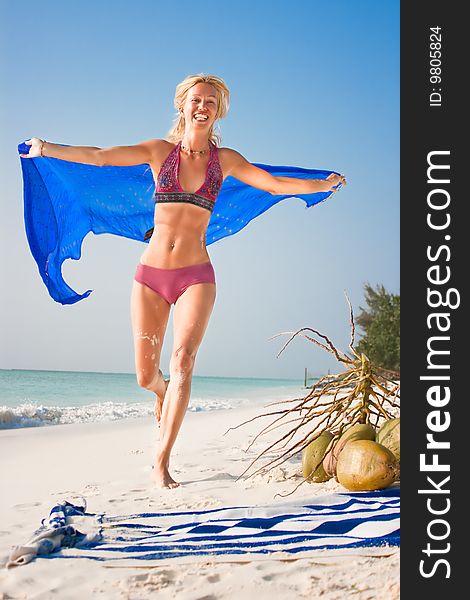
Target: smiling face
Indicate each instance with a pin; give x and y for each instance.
(200, 106)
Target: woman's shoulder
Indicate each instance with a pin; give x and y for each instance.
(161, 148)
(229, 157)
(229, 154)
(226, 151)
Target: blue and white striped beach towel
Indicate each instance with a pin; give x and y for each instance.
(336, 521)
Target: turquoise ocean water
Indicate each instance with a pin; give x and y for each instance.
(36, 398)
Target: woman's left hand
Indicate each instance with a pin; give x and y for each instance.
(335, 180)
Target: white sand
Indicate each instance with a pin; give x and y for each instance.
(110, 465)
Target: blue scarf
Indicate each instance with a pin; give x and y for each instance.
(64, 201)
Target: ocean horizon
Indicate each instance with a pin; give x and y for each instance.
(34, 398)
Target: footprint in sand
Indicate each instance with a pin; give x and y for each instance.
(90, 490)
(153, 581)
(270, 576)
(206, 503)
(27, 505)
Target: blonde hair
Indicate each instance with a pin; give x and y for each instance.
(175, 134)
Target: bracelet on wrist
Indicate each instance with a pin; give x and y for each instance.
(42, 148)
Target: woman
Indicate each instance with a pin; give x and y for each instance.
(175, 268)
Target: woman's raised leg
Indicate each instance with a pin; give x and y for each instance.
(190, 318)
(149, 316)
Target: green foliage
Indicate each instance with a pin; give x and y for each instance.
(381, 325)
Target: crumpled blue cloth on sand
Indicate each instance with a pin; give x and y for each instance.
(57, 531)
(64, 201)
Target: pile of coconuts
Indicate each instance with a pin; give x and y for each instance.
(362, 458)
(345, 427)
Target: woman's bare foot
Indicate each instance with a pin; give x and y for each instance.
(161, 476)
(159, 396)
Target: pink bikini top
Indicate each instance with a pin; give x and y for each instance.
(168, 188)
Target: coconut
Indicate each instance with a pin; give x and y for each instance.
(389, 436)
(359, 431)
(312, 457)
(366, 465)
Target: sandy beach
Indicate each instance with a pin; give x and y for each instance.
(109, 464)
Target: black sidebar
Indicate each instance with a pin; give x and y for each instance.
(435, 352)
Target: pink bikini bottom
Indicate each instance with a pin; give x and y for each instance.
(171, 283)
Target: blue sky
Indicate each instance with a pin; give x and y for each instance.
(313, 84)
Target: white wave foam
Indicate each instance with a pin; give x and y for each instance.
(36, 415)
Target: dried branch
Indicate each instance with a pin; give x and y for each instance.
(360, 394)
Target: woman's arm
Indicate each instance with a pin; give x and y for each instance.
(237, 166)
(118, 156)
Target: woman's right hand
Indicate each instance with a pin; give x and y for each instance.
(35, 149)
(335, 180)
